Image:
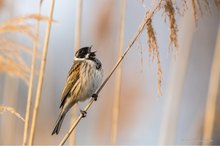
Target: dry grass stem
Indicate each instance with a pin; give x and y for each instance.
(78, 24)
(77, 40)
(116, 99)
(11, 110)
(139, 31)
(170, 11)
(41, 74)
(212, 96)
(72, 139)
(153, 51)
(30, 89)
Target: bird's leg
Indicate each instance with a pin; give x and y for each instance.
(84, 113)
(95, 96)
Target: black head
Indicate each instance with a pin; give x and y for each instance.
(86, 53)
(82, 52)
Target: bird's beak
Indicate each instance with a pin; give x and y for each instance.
(93, 53)
(90, 48)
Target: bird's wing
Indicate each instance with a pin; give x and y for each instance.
(72, 78)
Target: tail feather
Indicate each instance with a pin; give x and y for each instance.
(59, 123)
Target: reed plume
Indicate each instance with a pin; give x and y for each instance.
(10, 110)
(153, 51)
(170, 12)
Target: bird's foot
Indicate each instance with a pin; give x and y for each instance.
(95, 96)
(84, 113)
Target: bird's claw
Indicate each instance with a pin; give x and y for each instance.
(95, 96)
(84, 113)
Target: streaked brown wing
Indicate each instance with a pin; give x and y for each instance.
(73, 75)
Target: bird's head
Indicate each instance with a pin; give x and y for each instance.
(85, 52)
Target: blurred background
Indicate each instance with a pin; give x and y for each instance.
(176, 117)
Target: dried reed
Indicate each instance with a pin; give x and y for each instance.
(213, 92)
(19, 25)
(139, 31)
(195, 12)
(11, 60)
(116, 99)
(170, 12)
(30, 89)
(36, 17)
(77, 40)
(154, 51)
(41, 74)
(11, 51)
(198, 8)
(11, 110)
(79, 4)
(10, 57)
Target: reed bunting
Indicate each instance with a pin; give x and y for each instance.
(84, 78)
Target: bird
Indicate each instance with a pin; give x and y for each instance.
(84, 78)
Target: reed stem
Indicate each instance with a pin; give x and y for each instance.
(30, 89)
(41, 75)
(79, 4)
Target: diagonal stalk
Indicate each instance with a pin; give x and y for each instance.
(140, 29)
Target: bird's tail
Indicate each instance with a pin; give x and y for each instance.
(59, 122)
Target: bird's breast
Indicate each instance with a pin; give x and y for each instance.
(90, 78)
